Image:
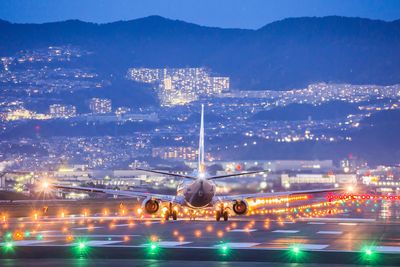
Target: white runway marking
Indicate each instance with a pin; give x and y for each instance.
(168, 244)
(313, 246)
(122, 236)
(238, 245)
(88, 228)
(28, 242)
(350, 224)
(330, 232)
(100, 243)
(286, 231)
(243, 230)
(316, 223)
(387, 249)
(339, 219)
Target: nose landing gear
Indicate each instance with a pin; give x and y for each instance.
(171, 213)
(221, 214)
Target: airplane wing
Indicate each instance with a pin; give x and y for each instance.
(275, 194)
(125, 193)
(234, 174)
(168, 173)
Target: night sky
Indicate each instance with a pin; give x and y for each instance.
(250, 14)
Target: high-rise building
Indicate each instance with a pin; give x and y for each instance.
(100, 105)
(62, 111)
(178, 86)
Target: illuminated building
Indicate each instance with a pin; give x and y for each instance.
(62, 111)
(310, 178)
(185, 153)
(100, 105)
(273, 165)
(24, 114)
(179, 86)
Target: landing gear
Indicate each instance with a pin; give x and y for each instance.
(174, 215)
(192, 215)
(218, 215)
(221, 214)
(171, 213)
(225, 215)
(166, 215)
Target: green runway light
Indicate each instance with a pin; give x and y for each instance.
(295, 249)
(8, 246)
(81, 248)
(39, 237)
(224, 249)
(8, 235)
(369, 254)
(153, 247)
(82, 245)
(27, 234)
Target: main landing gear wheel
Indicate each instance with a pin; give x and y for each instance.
(218, 215)
(174, 215)
(225, 215)
(166, 216)
(221, 214)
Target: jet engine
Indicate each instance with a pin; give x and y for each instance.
(151, 206)
(240, 207)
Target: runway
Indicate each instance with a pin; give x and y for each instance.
(322, 234)
(241, 238)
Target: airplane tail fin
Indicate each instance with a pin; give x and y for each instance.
(201, 166)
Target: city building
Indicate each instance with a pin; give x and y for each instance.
(272, 165)
(316, 179)
(62, 111)
(179, 86)
(100, 105)
(181, 153)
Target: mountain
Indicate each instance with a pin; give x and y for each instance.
(284, 54)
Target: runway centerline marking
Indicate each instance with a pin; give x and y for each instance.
(28, 242)
(122, 236)
(316, 223)
(387, 249)
(168, 244)
(313, 246)
(243, 230)
(349, 224)
(286, 231)
(238, 244)
(101, 243)
(330, 232)
(88, 228)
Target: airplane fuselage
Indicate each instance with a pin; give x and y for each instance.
(197, 193)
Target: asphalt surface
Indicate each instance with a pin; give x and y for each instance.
(343, 234)
(354, 232)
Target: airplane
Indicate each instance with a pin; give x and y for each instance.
(196, 191)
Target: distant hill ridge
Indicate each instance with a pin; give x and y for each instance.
(290, 53)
